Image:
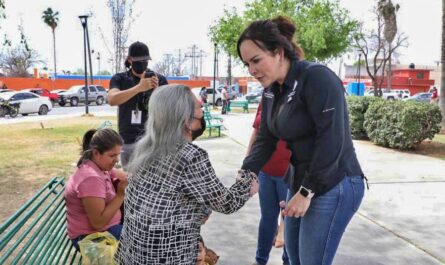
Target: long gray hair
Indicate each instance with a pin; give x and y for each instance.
(169, 109)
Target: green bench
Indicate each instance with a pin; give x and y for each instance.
(239, 103)
(36, 233)
(212, 123)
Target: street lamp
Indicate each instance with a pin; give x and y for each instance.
(214, 73)
(84, 20)
(358, 73)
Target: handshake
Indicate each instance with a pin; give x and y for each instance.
(254, 186)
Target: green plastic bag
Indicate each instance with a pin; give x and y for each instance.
(98, 249)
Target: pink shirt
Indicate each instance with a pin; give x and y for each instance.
(87, 181)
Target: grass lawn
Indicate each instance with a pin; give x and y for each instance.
(30, 156)
(434, 148)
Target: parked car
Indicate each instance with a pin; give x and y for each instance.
(209, 91)
(420, 97)
(58, 91)
(254, 96)
(76, 94)
(5, 90)
(386, 94)
(403, 93)
(29, 102)
(44, 93)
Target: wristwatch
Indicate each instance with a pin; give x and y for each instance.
(305, 192)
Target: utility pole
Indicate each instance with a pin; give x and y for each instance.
(193, 54)
(169, 61)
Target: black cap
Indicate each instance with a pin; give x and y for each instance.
(138, 51)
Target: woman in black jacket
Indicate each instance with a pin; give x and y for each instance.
(304, 105)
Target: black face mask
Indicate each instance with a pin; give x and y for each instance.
(139, 67)
(199, 132)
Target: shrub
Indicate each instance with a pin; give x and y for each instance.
(401, 124)
(357, 107)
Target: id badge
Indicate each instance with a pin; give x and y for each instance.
(136, 117)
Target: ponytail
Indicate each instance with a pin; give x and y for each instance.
(102, 140)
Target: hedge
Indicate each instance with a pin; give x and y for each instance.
(401, 124)
(357, 108)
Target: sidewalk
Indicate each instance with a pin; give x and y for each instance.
(401, 220)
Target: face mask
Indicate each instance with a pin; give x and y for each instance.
(139, 67)
(199, 132)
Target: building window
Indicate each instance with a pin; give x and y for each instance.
(419, 75)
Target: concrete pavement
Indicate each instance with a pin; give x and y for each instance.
(401, 219)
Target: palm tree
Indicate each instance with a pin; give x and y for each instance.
(51, 18)
(388, 11)
(442, 79)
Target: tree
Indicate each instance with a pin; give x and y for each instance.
(51, 19)
(376, 51)
(17, 60)
(442, 78)
(324, 30)
(121, 17)
(388, 11)
(225, 33)
(166, 65)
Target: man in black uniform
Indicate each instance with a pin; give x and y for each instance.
(131, 91)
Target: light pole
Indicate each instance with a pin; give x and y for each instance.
(86, 53)
(214, 74)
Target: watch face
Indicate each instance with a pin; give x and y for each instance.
(304, 192)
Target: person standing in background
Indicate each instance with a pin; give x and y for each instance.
(131, 91)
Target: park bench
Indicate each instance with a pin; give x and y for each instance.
(238, 103)
(36, 233)
(212, 123)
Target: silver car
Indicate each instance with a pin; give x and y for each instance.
(76, 94)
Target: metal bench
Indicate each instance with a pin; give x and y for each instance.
(212, 123)
(36, 233)
(238, 103)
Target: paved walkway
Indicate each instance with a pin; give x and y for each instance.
(401, 220)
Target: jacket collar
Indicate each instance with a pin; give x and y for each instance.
(296, 67)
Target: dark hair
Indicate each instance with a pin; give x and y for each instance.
(272, 34)
(102, 140)
(127, 63)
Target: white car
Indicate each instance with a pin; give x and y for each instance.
(29, 102)
(209, 91)
(386, 94)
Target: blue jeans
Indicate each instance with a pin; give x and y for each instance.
(115, 230)
(314, 238)
(272, 191)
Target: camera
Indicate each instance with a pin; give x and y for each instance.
(149, 74)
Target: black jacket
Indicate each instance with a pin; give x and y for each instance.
(309, 112)
(123, 81)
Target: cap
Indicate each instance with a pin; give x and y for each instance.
(138, 51)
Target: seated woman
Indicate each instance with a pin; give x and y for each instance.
(92, 203)
(171, 180)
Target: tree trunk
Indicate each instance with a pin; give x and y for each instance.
(54, 47)
(389, 79)
(229, 71)
(442, 78)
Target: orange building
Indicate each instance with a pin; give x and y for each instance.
(416, 80)
(17, 83)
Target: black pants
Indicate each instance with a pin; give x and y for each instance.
(225, 103)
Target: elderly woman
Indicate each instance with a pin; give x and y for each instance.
(171, 182)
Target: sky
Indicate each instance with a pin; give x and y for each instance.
(169, 25)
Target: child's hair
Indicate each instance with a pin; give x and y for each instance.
(102, 140)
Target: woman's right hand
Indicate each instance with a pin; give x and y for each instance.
(121, 187)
